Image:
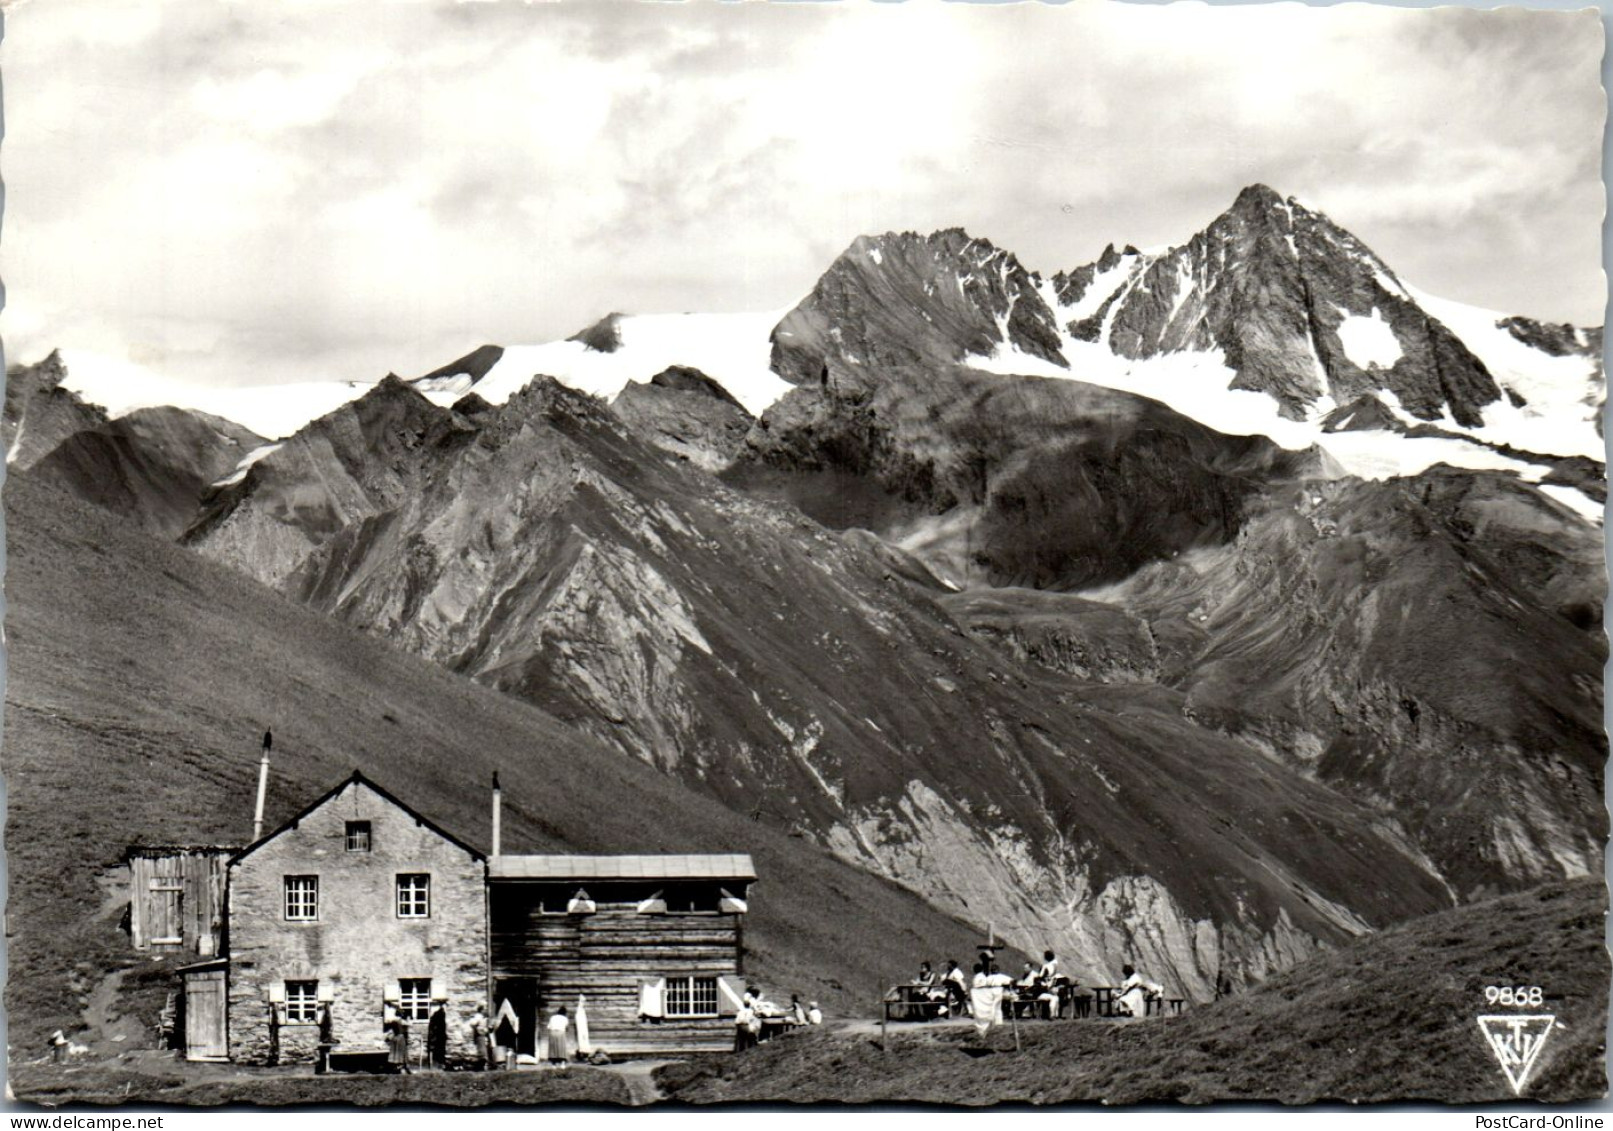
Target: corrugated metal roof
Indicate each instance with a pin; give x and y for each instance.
(733, 866)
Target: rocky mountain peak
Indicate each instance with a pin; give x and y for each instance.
(604, 336)
(902, 299)
(1258, 199)
(1297, 307)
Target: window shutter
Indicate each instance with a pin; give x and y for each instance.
(731, 904)
(277, 992)
(730, 994)
(655, 905)
(580, 904)
(652, 997)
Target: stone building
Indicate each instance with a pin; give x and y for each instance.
(362, 906)
(359, 907)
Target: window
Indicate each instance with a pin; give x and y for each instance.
(687, 898)
(302, 1002)
(691, 997)
(302, 897)
(414, 999)
(358, 836)
(414, 896)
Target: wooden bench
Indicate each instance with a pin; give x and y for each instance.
(359, 1060)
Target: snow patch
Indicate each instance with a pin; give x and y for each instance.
(735, 350)
(1104, 284)
(1197, 385)
(874, 254)
(245, 465)
(1564, 395)
(272, 411)
(1576, 501)
(1369, 340)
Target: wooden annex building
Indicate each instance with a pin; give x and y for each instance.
(176, 896)
(359, 908)
(654, 944)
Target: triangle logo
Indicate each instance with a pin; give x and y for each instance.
(1516, 1040)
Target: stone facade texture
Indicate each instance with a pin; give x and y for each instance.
(358, 948)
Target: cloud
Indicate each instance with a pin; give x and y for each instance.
(273, 192)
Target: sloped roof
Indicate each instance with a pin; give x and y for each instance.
(729, 866)
(357, 778)
(135, 850)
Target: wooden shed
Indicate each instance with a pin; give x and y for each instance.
(176, 896)
(655, 944)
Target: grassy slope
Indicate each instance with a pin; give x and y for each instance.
(1391, 1017)
(140, 677)
(175, 1082)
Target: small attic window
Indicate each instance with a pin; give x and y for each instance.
(358, 836)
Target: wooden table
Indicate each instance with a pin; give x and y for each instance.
(914, 1001)
(1103, 1000)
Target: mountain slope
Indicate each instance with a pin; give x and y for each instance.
(345, 466)
(139, 676)
(1432, 641)
(40, 413)
(1388, 1019)
(796, 676)
(153, 466)
(1010, 481)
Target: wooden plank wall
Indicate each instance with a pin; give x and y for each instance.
(201, 874)
(605, 956)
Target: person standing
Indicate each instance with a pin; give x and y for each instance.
(480, 1040)
(327, 1040)
(437, 1038)
(986, 997)
(744, 1019)
(559, 1038)
(398, 1046)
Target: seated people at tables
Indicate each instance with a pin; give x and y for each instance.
(1028, 979)
(1050, 967)
(814, 1014)
(1132, 998)
(926, 983)
(797, 1014)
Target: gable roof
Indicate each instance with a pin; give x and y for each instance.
(731, 866)
(357, 778)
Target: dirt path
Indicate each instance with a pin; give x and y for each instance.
(106, 1032)
(639, 1076)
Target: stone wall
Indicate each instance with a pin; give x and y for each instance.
(358, 948)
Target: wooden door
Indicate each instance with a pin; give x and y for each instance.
(206, 1037)
(165, 924)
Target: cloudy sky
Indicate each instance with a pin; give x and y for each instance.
(259, 192)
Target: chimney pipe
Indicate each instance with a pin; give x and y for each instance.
(263, 787)
(498, 807)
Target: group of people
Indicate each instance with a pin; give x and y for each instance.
(559, 1045)
(952, 991)
(395, 1035)
(754, 1009)
(987, 992)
